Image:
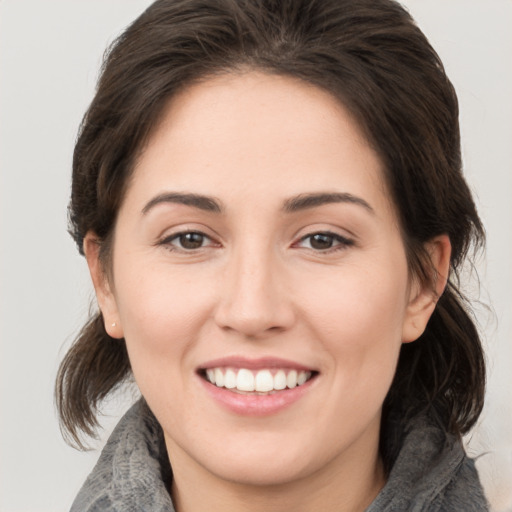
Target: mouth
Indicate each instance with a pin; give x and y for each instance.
(263, 381)
(259, 387)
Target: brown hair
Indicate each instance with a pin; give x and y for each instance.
(370, 55)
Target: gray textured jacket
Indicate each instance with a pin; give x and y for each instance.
(431, 472)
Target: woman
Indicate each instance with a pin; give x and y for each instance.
(270, 201)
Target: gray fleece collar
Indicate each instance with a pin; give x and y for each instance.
(430, 474)
(132, 469)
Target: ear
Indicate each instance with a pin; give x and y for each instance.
(424, 296)
(104, 295)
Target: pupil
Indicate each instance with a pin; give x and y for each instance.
(191, 240)
(321, 241)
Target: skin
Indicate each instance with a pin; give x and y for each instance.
(257, 287)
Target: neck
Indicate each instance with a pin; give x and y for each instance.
(347, 485)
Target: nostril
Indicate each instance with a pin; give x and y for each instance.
(253, 326)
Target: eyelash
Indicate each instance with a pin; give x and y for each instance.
(168, 241)
(341, 241)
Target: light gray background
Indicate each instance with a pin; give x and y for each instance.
(50, 52)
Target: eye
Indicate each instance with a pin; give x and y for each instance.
(325, 241)
(187, 241)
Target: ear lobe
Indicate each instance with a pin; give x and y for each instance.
(104, 295)
(424, 296)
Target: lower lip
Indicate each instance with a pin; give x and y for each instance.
(256, 405)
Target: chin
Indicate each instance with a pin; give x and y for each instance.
(272, 471)
(267, 459)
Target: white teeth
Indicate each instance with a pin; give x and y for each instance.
(291, 379)
(244, 380)
(302, 378)
(264, 381)
(219, 377)
(230, 379)
(280, 380)
(261, 381)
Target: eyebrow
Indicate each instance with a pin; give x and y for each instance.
(205, 203)
(305, 201)
(294, 204)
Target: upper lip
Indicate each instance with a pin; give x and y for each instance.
(254, 363)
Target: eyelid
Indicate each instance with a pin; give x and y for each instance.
(167, 239)
(343, 241)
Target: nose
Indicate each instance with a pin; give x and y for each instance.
(255, 301)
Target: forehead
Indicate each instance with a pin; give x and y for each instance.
(270, 133)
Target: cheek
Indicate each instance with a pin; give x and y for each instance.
(359, 319)
(360, 299)
(162, 315)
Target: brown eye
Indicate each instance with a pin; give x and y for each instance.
(187, 241)
(325, 241)
(191, 240)
(321, 241)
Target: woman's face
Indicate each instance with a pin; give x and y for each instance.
(257, 247)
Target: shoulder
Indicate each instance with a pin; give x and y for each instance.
(132, 472)
(431, 473)
(464, 491)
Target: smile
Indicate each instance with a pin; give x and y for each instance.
(265, 381)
